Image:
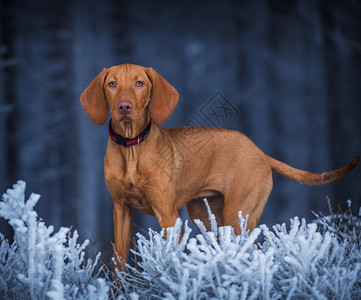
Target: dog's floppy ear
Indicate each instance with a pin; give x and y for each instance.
(163, 99)
(93, 99)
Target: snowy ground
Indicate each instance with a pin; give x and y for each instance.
(304, 261)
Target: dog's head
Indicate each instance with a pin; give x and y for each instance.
(132, 93)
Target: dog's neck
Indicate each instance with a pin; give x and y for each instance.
(128, 134)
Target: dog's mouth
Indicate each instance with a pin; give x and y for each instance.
(125, 118)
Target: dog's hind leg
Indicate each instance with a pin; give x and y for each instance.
(249, 198)
(197, 210)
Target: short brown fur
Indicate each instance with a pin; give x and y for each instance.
(165, 171)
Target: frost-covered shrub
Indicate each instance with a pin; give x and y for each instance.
(343, 224)
(41, 264)
(313, 265)
(305, 261)
(301, 263)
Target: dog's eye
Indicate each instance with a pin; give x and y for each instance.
(139, 83)
(112, 84)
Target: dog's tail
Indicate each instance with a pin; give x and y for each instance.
(308, 177)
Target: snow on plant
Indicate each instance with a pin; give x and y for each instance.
(301, 262)
(319, 260)
(314, 265)
(41, 264)
(214, 265)
(343, 223)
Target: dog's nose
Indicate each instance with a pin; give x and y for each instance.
(125, 107)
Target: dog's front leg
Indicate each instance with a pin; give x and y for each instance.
(122, 214)
(165, 210)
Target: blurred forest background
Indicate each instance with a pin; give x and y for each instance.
(286, 73)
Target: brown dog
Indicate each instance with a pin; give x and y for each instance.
(157, 170)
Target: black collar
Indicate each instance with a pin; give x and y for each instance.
(116, 138)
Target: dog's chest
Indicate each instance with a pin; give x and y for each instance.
(134, 191)
(128, 177)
